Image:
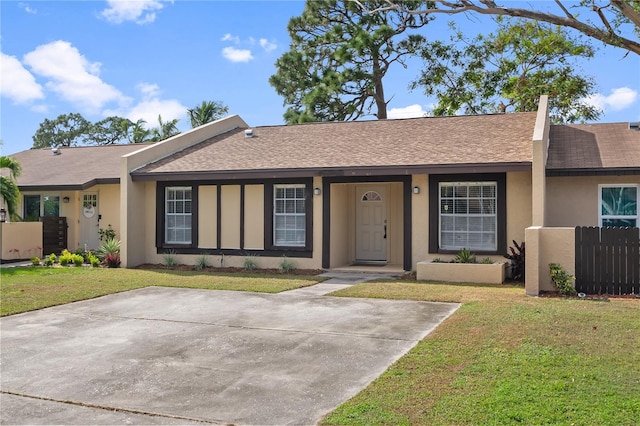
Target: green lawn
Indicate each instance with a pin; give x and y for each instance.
(25, 289)
(506, 358)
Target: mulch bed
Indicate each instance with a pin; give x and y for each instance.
(230, 270)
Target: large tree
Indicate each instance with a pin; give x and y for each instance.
(8, 188)
(206, 112)
(508, 71)
(65, 130)
(614, 22)
(339, 56)
(109, 131)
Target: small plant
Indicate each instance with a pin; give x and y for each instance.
(94, 261)
(438, 260)
(112, 260)
(77, 259)
(202, 262)
(562, 280)
(487, 261)
(516, 256)
(286, 265)
(106, 234)
(108, 247)
(51, 259)
(169, 259)
(464, 255)
(250, 263)
(35, 261)
(65, 258)
(16, 253)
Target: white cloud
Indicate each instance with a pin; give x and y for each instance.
(138, 11)
(28, 8)
(411, 111)
(619, 99)
(72, 76)
(18, 84)
(150, 107)
(267, 45)
(236, 55)
(232, 38)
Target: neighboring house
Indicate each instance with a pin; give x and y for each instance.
(328, 195)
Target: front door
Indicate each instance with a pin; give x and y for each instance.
(371, 223)
(89, 221)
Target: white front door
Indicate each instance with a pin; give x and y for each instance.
(89, 221)
(371, 223)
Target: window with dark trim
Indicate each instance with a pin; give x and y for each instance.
(176, 215)
(288, 219)
(619, 205)
(467, 211)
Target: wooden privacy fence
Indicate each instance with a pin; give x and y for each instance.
(607, 260)
(54, 234)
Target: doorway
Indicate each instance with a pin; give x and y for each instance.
(371, 223)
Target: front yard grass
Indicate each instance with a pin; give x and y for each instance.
(506, 358)
(26, 288)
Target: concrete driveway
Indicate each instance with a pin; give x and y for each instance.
(185, 356)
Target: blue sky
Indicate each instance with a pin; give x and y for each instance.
(138, 59)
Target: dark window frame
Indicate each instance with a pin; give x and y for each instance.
(434, 208)
(161, 205)
(269, 216)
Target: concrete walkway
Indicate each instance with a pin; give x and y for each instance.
(338, 281)
(187, 356)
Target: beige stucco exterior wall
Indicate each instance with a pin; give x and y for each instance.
(340, 247)
(519, 211)
(420, 220)
(230, 217)
(20, 240)
(540, 146)
(545, 246)
(395, 225)
(254, 217)
(573, 200)
(207, 216)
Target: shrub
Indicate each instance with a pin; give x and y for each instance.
(35, 261)
(94, 261)
(112, 260)
(50, 260)
(250, 263)
(562, 280)
(107, 234)
(516, 255)
(287, 265)
(464, 255)
(65, 258)
(202, 262)
(77, 259)
(110, 246)
(169, 259)
(438, 260)
(487, 261)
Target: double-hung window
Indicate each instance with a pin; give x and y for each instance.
(289, 215)
(178, 213)
(619, 205)
(468, 216)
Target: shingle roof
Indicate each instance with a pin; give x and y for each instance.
(429, 141)
(74, 168)
(593, 146)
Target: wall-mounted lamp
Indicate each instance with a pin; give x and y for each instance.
(317, 191)
(3, 215)
(416, 189)
(65, 200)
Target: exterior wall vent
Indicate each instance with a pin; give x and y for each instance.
(634, 125)
(248, 133)
(55, 150)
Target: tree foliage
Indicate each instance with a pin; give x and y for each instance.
(206, 112)
(614, 22)
(338, 58)
(65, 130)
(165, 129)
(8, 188)
(109, 131)
(508, 71)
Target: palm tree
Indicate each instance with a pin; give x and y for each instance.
(207, 112)
(138, 133)
(8, 188)
(165, 130)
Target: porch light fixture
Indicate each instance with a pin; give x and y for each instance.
(3, 215)
(416, 189)
(65, 200)
(317, 191)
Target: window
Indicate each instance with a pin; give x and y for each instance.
(31, 208)
(40, 205)
(289, 218)
(178, 210)
(468, 216)
(619, 205)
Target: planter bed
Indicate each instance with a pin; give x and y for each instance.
(493, 273)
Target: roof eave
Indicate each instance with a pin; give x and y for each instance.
(594, 171)
(332, 172)
(69, 187)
